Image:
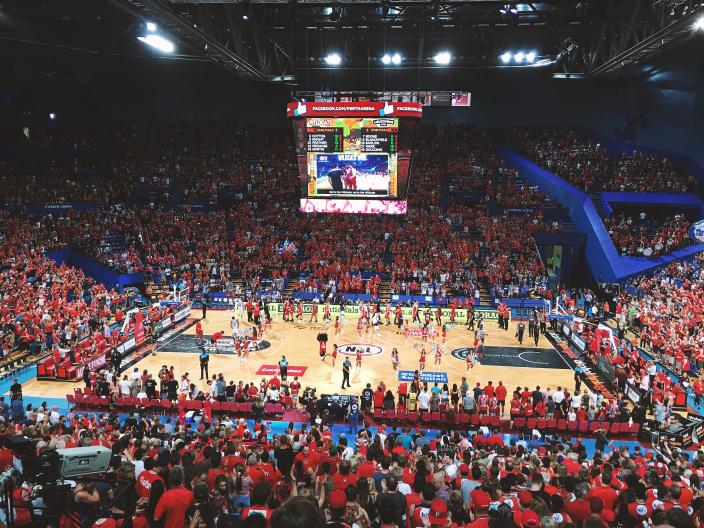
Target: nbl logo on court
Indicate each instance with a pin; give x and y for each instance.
(364, 349)
(460, 353)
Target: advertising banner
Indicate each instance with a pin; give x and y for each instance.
(430, 377)
(352, 311)
(361, 109)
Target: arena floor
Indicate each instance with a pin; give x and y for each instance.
(504, 358)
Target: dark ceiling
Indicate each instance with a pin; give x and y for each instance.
(286, 40)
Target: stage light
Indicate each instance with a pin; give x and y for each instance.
(151, 26)
(530, 56)
(158, 42)
(396, 59)
(506, 57)
(333, 59)
(52, 116)
(386, 59)
(699, 24)
(519, 56)
(444, 58)
(245, 17)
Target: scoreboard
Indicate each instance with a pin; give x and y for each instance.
(325, 139)
(379, 140)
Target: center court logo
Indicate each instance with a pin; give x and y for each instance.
(227, 346)
(365, 349)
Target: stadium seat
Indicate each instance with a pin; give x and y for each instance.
(245, 408)
(495, 421)
(165, 405)
(426, 417)
(593, 427)
(634, 428)
(583, 426)
(268, 408)
(391, 414)
(412, 416)
(216, 406)
(474, 420)
(71, 399)
(278, 409)
(435, 416)
(542, 424)
(551, 424)
(464, 418)
(531, 423)
(562, 425)
(615, 428)
(519, 423)
(378, 413)
(572, 426)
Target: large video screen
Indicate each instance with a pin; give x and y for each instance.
(354, 164)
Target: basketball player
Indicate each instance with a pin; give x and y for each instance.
(238, 348)
(235, 327)
(416, 317)
(199, 334)
(438, 316)
(444, 333)
(215, 338)
(359, 327)
(299, 315)
(358, 359)
(313, 313)
(470, 359)
(376, 322)
(424, 333)
(337, 325)
(326, 312)
(245, 349)
(387, 314)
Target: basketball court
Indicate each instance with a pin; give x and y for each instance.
(504, 359)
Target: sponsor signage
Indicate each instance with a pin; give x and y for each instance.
(352, 310)
(418, 333)
(273, 370)
(425, 376)
(127, 345)
(364, 348)
(578, 342)
(633, 393)
(360, 109)
(182, 314)
(696, 231)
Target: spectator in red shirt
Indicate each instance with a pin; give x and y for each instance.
(173, 504)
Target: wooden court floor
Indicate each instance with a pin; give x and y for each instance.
(298, 342)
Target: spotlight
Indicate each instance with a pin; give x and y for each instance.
(245, 17)
(444, 58)
(505, 57)
(519, 56)
(386, 59)
(151, 26)
(699, 24)
(158, 42)
(333, 59)
(530, 56)
(396, 59)
(52, 116)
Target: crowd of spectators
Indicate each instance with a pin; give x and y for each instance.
(590, 167)
(647, 236)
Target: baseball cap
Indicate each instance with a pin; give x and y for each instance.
(338, 499)
(464, 468)
(530, 519)
(438, 512)
(525, 497)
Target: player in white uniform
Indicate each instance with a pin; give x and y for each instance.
(235, 326)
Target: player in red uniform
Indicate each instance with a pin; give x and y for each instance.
(299, 315)
(313, 313)
(421, 361)
(387, 314)
(199, 333)
(215, 338)
(444, 333)
(425, 334)
(358, 359)
(326, 312)
(322, 350)
(337, 325)
(359, 326)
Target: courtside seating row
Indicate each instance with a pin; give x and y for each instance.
(520, 424)
(89, 401)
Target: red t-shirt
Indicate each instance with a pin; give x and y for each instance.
(172, 507)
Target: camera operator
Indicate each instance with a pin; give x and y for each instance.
(86, 501)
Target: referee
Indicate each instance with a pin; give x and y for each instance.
(283, 368)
